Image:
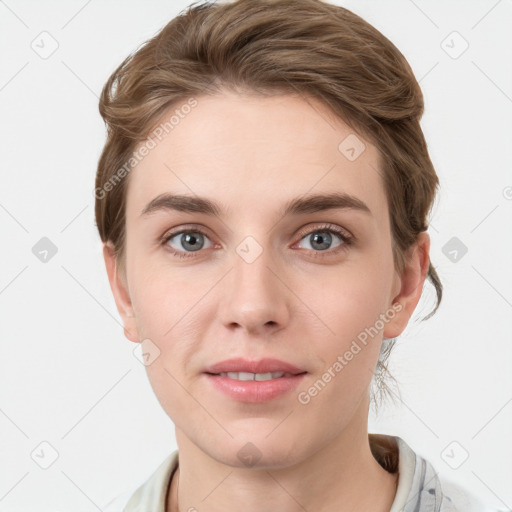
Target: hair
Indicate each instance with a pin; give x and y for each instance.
(270, 47)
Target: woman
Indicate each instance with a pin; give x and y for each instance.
(262, 197)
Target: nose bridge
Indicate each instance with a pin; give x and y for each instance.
(255, 298)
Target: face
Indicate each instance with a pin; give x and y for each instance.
(254, 282)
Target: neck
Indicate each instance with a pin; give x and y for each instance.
(343, 476)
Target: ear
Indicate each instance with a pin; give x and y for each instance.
(118, 285)
(410, 285)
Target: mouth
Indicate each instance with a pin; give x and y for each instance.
(248, 376)
(246, 369)
(254, 381)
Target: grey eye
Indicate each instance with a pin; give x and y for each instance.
(320, 239)
(190, 241)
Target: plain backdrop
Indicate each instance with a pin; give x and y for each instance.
(68, 377)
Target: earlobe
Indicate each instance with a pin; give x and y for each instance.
(411, 285)
(120, 292)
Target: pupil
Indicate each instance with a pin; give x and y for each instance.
(192, 240)
(320, 238)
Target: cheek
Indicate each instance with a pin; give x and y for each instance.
(349, 346)
(350, 305)
(167, 385)
(168, 303)
(353, 299)
(160, 297)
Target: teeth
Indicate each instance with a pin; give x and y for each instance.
(254, 376)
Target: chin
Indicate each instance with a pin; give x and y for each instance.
(259, 453)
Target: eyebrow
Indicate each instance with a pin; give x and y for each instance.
(299, 206)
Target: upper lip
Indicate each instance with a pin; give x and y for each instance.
(260, 366)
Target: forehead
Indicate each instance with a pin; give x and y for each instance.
(256, 151)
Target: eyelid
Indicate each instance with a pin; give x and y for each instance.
(185, 228)
(340, 231)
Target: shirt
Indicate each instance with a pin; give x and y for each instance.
(419, 489)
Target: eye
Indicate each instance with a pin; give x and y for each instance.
(321, 238)
(187, 241)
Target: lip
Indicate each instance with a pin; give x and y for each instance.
(265, 365)
(254, 391)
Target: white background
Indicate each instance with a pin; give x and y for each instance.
(67, 374)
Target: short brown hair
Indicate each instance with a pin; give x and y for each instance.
(270, 47)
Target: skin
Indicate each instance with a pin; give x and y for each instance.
(252, 154)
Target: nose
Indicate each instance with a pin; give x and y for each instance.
(254, 298)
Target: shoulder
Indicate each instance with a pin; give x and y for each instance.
(459, 499)
(151, 495)
(421, 488)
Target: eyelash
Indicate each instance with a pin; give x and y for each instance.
(347, 239)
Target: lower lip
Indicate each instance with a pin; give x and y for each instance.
(253, 391)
